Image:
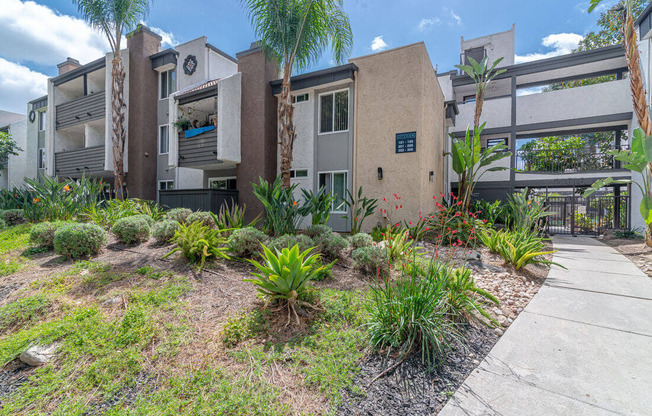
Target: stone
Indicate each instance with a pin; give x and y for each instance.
(38, 355)
(473, 255)
(116, 300)
(498, 332)
(502, 320)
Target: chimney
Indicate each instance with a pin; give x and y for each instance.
(68, 65)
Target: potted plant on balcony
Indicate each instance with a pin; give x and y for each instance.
(182, 124)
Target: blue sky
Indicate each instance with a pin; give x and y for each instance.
(35, 36)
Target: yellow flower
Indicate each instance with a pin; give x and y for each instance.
(67, 188)
(35, 200)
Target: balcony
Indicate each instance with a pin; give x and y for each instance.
(578, 160)
(198, 151)
(74, 163)
(497, 112)
(81, 110)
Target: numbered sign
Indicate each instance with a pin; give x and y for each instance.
(406, 142)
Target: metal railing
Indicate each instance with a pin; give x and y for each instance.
(584, 159)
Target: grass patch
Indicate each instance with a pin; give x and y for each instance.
(23, 310)
(14, 238)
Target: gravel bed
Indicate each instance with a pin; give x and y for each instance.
(126, 396)
(412, 389)
(12, 376)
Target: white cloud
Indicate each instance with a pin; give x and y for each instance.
(378, 44)
(35, 33)
(18, 85)
(456, 18)
(169, 40)
(561, 44)
(427, 24)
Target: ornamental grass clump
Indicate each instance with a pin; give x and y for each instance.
(164, 230)
(518, 248)
(465, 301)
(77, 240)
(283, 276)
(132, 230)
(197, 243)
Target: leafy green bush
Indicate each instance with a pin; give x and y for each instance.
(491, 212)
(313, 231)
(12, 216)
(330, 244)
(233, 217)
(398, 244)
(197, 242)
(286, 241)
(518, 248)
(282, 211)
(371, 259)
(42, 234)
(318, 205)
(406, 315)
(149, 220)
(465, 300)
(179, 215)
(246, 241)
(526, 213)
(283, 277)
(108, 213)
(378, 233)
(78, 240)
(132, 230)
(205, 218)
(164, 230)
(361, 240)
(3, 224)
(359, 209)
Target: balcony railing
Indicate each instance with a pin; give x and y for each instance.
(82, 110)
(199, 150)
(587, 159)
(74, 163)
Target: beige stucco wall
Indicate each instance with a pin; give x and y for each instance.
(396, 92)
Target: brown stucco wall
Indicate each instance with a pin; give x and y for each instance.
(397, 92)
(259, 125)
(143, 125)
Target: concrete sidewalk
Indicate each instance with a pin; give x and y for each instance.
(583, 346)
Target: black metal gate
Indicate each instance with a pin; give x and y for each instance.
(573, 214)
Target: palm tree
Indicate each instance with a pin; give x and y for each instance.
(482, 75)
(295, 33)
(115, 18)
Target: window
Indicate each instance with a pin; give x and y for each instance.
(41, 120)
(476, 53)
(41, 158)
(163, 140)
(228, 183)
(168, 83)
(300, 98)
(469, 99)
(493, 142)
(334, 112)
(299, 173)
(165, 185)
(336, 184)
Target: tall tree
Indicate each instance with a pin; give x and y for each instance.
(482, 74)
(7, 147)
(115, 18)
(295, 33)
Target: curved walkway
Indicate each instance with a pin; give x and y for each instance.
(583, 346)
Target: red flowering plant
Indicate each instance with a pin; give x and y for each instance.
(452, 225)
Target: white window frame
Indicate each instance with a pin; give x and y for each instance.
(348, 103)
(332, 173)
(42, 160)
(165, 181)
(42, 114)
(294, 98)
(159, 139)
(293, 173)
(220, 178)
(160, 74)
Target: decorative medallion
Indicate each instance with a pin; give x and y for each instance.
(190, 65)
(32, 116)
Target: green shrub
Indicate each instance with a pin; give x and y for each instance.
(465, 300)
(377, 233)
(197, 242)
(407, 316)
(3, 224)
(361, 240)
(179, 215)
(283, 278)
(149, 220)
(12, 216)
(42, 234)
(330, 245)
(233, 217)
(371, 260)
(282, 211)
(318, 205)
(76, 240)
(108, 213)
(288, 240)
(316, 230)
(518, 248)
(164, 230)
(246, 241)
(205, 218)
(326, 271)
(131, 230)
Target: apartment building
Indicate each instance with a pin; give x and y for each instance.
(13, 124)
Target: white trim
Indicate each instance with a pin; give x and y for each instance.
(333, 172)
(159, 139)
(348, 103)
(45, 122)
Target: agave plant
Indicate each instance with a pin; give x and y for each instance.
(283, 277)
(518, 248)
(198, 242)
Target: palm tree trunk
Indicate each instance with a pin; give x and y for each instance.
(286, 127)
(638, 91)
(118, 107)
